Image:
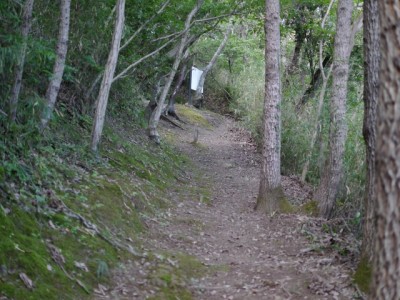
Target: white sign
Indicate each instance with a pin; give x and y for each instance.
(196, 74)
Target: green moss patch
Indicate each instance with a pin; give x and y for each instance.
(363, 275)
(113, 191)
(274, 201)
(24, 248)
(193, 116)
(310, 208)
(173, 275)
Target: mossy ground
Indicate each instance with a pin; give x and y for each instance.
(310, 208)
(113, 190)
(363, 276)
(191, 115)
(274, 201)
(173, 279)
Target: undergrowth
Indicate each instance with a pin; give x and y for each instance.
(55, 194)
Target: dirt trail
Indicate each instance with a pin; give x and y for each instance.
(253, 256)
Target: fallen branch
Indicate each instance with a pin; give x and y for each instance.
(59, 260)
(165, 118)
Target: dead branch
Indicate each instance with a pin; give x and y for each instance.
(165, 118)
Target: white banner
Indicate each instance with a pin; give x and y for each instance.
(196, 74)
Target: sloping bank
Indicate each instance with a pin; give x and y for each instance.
(68, 218)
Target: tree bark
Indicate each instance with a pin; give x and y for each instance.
(59, 65)
(171, 103)
(314, 84)
(386, 283)
(207, 69)
(155, 116)
(270, 193)
(329, 185)
(108, 76)
(371, 87)
(26, 27)
(294, 64)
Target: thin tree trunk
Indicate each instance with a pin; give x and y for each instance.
(371, 88)
(313, 85)
(329, 185)
(59, 65)
(171, 103)
(294, 64)
(93, 86)
(325, 79)
(317, 125)
(271, 194)
(108, 76)
(211, 64)
(155, 116)
(26, 27)
(386, 283)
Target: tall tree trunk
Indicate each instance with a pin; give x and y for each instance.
(386, 283)
(329, 185)
(26, 27)
(211, 64)
(108, 76)
(371, 85)
(155, 116)
(270, 194)
(59, 65)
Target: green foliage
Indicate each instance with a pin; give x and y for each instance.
(114, 191)
(240, 74)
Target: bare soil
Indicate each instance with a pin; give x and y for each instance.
(245, 254)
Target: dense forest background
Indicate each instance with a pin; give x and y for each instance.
(236, 83)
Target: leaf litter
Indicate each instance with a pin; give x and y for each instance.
(247, 255)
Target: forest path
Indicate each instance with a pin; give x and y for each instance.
(248, 255)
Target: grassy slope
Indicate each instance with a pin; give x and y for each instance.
(115, 190)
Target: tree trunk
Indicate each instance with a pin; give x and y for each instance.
(386, 283)
(313, 85)
(108, 76)
(171, 103)
(271, 193)
(325, 79)
(329, 185)
(317, 125)
(26, 27)
(198, 96)
(371, 85)
(155, 116)
(59, 65)
(294, 64)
